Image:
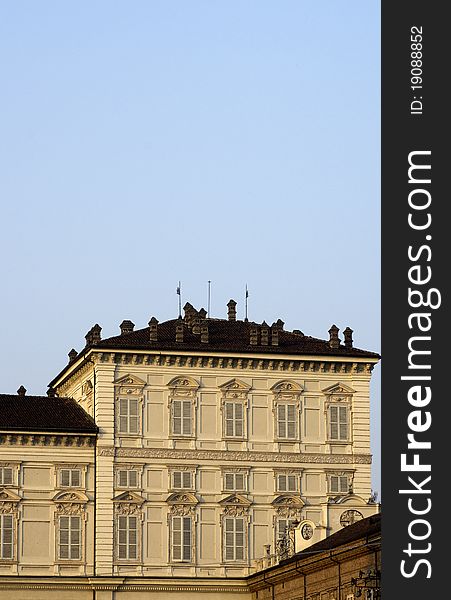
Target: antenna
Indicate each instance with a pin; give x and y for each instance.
(179, 294)
(245, 303)
(209, 298)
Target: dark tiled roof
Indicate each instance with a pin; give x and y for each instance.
(42, 413)
(369, 526)
(227, 336)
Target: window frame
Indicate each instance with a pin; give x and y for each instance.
(127, 543)
(225, 546)
(3, 517)
(287, 489)
(4, 468)
(184, 419)
(234, 420)
(70, 543)
(285, 404)
(184, 537)
(127, 431)
(231, 472)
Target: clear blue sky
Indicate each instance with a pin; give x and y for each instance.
(150, 141)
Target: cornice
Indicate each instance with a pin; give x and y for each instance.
(235, 456)
(47, 439)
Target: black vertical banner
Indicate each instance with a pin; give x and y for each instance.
(416, 432)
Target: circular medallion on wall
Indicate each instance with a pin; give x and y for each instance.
(307, 531)
(350, 516)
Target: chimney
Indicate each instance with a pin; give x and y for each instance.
(348, 337)
(126, 327)
(231, 313)
(93, 336)
(264, 333)
(179, 330)
(254, 336)
(274, 335)
(202, 313)
(72, 355)
(280, 324)
(22, 391)
(334, 341)
(195, 323)
(153, 329)
(190, 311)
(51, 393)
(204, 333)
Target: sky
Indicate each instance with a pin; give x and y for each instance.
(147, 142)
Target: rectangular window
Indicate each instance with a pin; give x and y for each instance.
(339, 484)
(181, 539)
(182, 480)
(283, 525)
(6, 476)
(234, 482)
(234, 548)
(70, 477)
(338, 423)
(287, 483)
(128, 478)
(70, 538)
(181, 417)
(286, 421)
(128, 415)
(6, 536)
(234, 419)
(127, 529)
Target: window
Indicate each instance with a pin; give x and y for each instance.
(182, 417)
(69, 547)
(234, 482)
(181, 539)
(338, 419)
(70, 478)
(6, 536)
(286, 421)
(338, 484)
(182, 480)
(127, 529)
(283, 525)
(128, 415)
(234, 543)
(127, 478)
(287, 483)
(234, 419)
(6, 476)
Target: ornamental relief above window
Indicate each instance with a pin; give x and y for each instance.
(234, 403)
(182, 406)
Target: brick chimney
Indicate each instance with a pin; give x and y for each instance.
(51, 393)
(72, 355)
(179, 330)
(153, 329)
(348, 337)
(93, 336)
(21, 391)
(274, 335)
(231, 312)
(204, 335)
(264, 333)
(126, 327)
(253, 336)
(334, 341)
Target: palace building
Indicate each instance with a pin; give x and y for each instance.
(183, 457)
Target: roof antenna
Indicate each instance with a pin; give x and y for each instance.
(245, 304)
(179, 294)
(209, 298)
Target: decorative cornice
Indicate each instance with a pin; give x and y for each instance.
(220, 456)
(314, 364)
(46, 439)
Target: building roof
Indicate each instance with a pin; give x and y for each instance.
(367, 527)
(43, 413)
(228, 336)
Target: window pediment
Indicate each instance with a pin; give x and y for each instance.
(235, 500)
(287, 386)
(128, 498)
(235, 389)
(187, 383)
(72, 497)
(290, 500)
(182, 498)
(351, 499)
(338, 389)
(9, 496)
(129, 384)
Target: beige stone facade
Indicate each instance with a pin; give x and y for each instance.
(203, 460)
